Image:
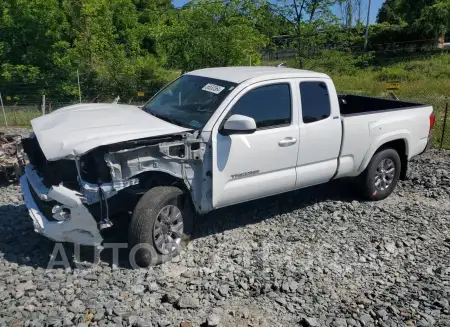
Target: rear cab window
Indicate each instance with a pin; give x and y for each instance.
(315, 100)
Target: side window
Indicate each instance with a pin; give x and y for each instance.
(270, 106)
(315, 101)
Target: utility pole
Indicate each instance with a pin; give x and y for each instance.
(4, 114)
(79, 88)
(366, 42)
(349, 18)
(43, 104)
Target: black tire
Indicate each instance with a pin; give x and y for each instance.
(367, 179)
(140, 231)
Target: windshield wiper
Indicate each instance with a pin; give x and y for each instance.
(166, 118)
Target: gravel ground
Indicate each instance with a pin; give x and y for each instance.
(317, 257)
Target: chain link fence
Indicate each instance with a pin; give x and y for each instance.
(16, 113)
(19, 113)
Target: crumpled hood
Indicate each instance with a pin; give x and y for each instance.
(74, 130)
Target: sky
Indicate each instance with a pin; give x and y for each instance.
(376, 5)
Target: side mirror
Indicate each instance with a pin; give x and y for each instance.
(238, 124)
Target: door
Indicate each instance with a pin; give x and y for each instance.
(250, 166)
(320, 132)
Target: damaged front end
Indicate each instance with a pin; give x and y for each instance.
(58, 212)
(72, 200)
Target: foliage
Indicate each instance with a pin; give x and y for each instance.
(307, 17)
(121, 46)
(394, 74)
(428, 17)
(206, 34)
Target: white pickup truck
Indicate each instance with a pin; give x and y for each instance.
(210, 139)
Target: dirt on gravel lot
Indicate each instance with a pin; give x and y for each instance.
(316, 257)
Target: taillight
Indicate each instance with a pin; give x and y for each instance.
(432, 122)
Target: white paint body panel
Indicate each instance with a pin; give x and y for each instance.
(254, 73)
(364, 134)
(320, 142)
(261, 152)
(256, 152)
(80, 229)
(74, 130)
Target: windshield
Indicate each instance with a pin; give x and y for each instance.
(189, 101)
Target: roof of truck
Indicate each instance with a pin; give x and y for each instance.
(241, 74)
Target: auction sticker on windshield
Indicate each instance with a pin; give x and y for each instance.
(213, 88)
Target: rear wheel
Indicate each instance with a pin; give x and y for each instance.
(381, 175)
(161, 224)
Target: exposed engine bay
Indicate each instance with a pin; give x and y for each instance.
(109, 180)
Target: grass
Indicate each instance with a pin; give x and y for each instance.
(19, 116)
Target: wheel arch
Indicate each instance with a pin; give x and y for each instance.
(151, 179)
(398, 144)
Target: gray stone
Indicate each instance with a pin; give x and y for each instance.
(365, 319)
(132, 319)
(390, 247)
(382, 314)
(310, 322)
(213, 320)
(244, 312)
(281, 301)
(224, 289)
(339, 322)
(91, 277)
(170, 297)
(187, 301)
(243, 285)
(19, 294)
(99, 314)
(443, 303)
(431, 321)
(76, 306)
(138, 289)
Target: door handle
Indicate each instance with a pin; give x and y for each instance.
(288, 141)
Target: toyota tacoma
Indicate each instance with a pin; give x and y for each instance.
(210, 139)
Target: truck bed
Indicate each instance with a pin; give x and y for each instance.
(364, 132)
(355, 104)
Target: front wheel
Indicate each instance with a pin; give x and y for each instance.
(158, 228)
(381, 175)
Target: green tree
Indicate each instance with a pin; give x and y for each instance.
(30, 32)
(205, 34)
(106, 47)
(307, 17)
(429, 17)
(390, 12)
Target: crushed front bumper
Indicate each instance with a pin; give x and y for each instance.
(80, 228)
